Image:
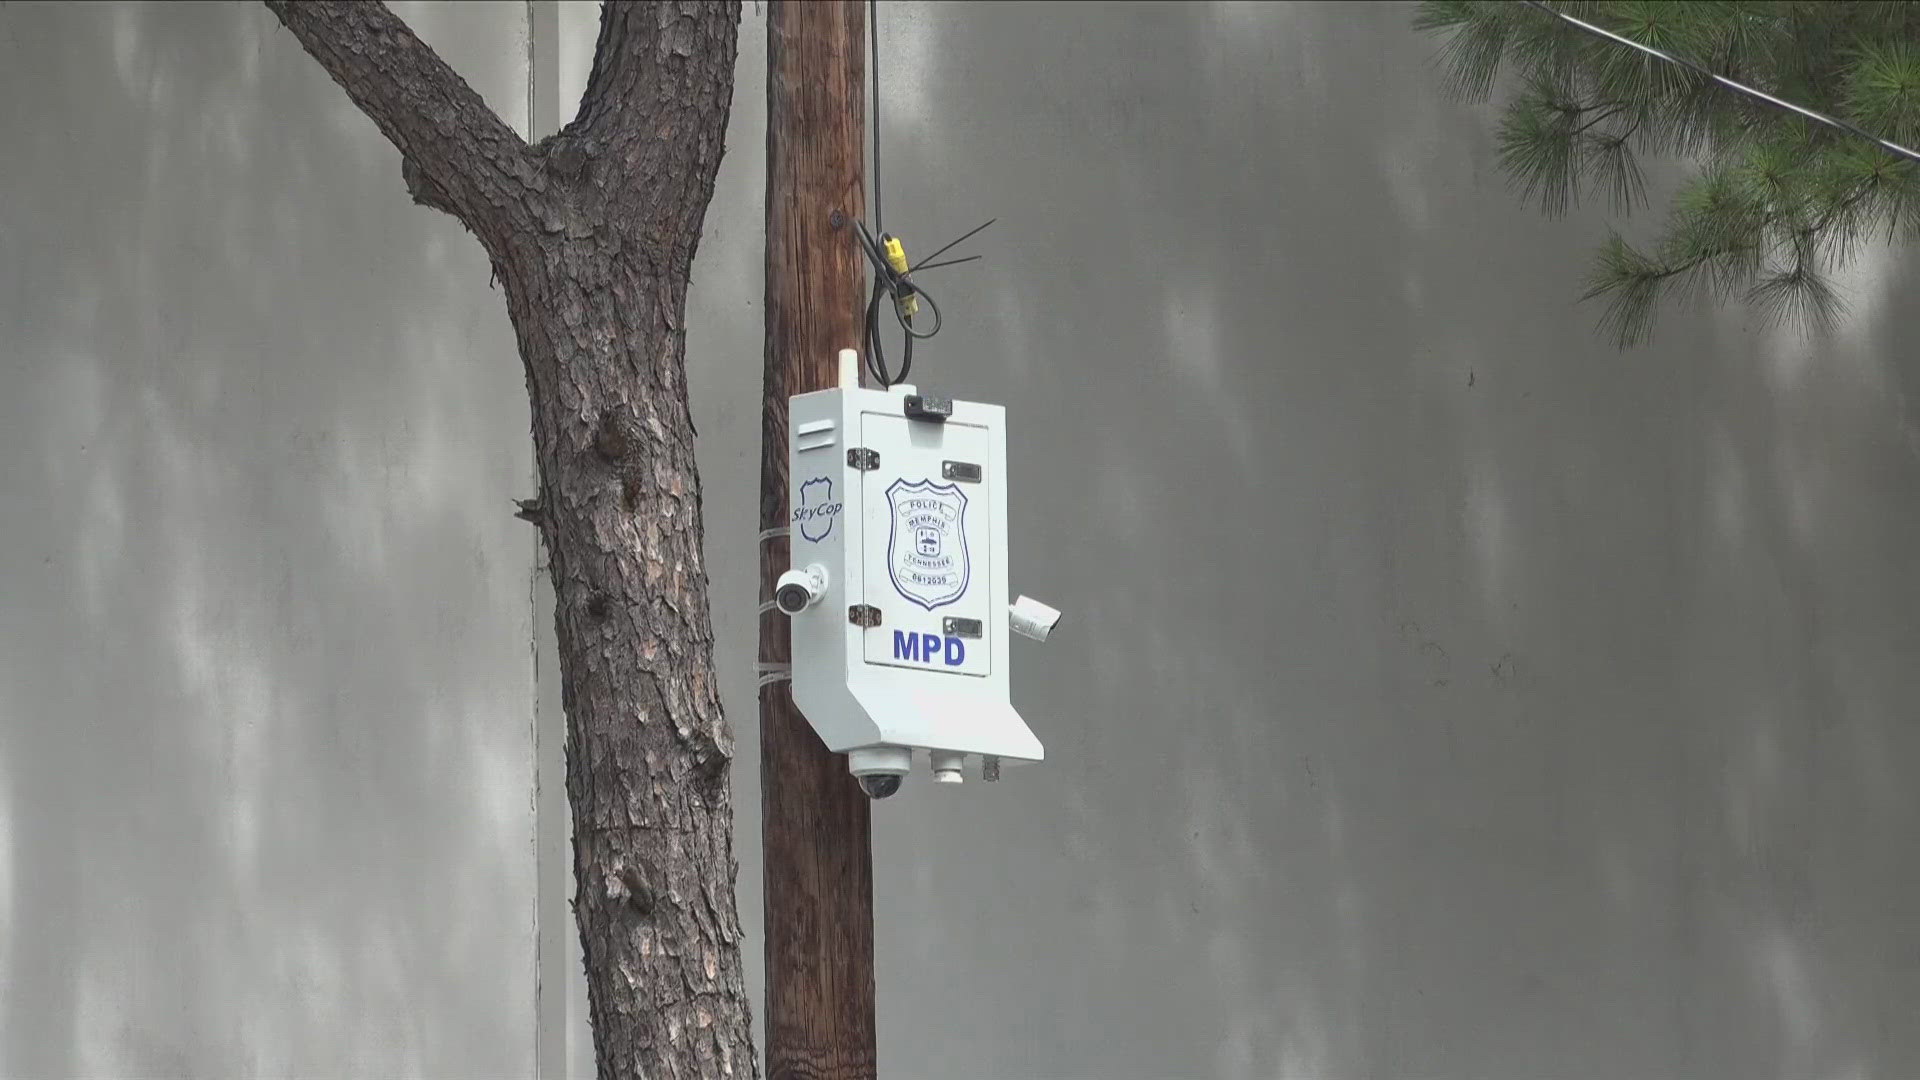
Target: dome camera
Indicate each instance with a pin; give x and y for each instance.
(880, 769)
(880, 785)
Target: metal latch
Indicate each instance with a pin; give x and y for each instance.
(863, 459)
(963, 628)
(930, 407)
(964, 471)
(865, 616)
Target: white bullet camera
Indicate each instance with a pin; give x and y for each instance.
(1031, 618)
(798, 590)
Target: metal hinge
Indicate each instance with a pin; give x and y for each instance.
(864, 615)
(863, 459)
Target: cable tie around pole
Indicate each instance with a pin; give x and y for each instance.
(775, 533)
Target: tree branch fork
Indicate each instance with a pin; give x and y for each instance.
(459, 157)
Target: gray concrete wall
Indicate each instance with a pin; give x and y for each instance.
(266, 692)
(1445, 695)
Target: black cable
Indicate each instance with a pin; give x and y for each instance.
(923, 264)
(888, 282)
(950, 262)
(876, 358)
(876, 353)
(873, 32)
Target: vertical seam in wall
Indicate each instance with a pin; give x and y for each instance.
(533, 653)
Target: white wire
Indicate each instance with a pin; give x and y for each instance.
(774, 533)
(1839, 125)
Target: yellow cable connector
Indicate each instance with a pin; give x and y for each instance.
(897, 261)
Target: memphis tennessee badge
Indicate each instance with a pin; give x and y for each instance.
(927, 547)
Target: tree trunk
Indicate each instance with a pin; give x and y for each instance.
(592, 233)
(647, 752)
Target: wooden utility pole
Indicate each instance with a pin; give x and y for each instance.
(818, 864)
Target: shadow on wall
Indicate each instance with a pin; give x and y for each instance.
(1447, 695)
(264, 681)
(1478, 703)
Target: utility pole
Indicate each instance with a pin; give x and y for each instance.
(816, 845)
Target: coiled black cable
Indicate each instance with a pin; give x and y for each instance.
(889, 286)
(898, 286)
(891, 281)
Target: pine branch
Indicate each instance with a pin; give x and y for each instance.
(1476, 44)
(1882, 89)
(1632, 284)
(1779, 201)
(1549, 143)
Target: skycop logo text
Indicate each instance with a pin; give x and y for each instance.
(929, 648)
(818, 509)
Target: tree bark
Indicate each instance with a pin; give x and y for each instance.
(819, 867)
(592, 234)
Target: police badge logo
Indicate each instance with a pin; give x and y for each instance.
(927, 545)
(817, 510)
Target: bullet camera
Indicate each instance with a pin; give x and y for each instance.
(798, 590)
(1031, 618)
(880, 769)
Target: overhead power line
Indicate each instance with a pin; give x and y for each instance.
(1740, 88)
